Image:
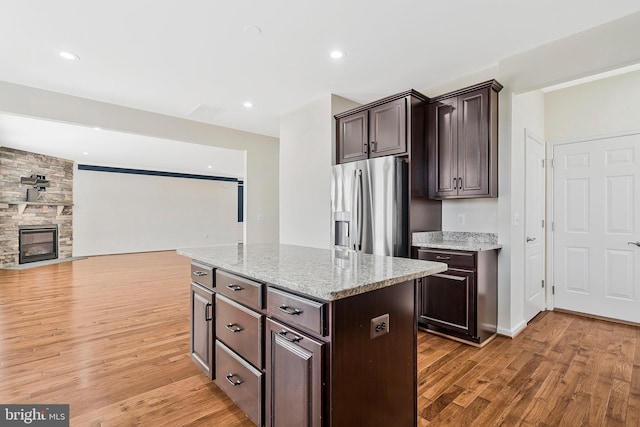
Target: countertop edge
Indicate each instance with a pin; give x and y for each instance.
(460, 246)
(430, 268)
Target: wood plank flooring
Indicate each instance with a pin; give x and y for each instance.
(110, 336)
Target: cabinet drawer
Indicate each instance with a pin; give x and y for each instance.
(240, 329)
(451, 258)
(202, 275)
(239, 289)
(295, 310)
(240, 381)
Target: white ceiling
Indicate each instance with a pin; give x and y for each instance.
(86, 145)
(168, 56)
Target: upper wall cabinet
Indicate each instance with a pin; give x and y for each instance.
(381, 128)
(463, 143)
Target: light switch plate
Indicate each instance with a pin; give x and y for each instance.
(379, 326)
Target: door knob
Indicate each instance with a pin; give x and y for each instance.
(634, 243)
(531, 239)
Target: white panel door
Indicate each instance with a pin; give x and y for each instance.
(534, 226)
(597, 225)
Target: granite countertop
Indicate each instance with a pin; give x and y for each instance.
(456, 240)
(321, 273)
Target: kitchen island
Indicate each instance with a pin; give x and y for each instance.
(308, 337)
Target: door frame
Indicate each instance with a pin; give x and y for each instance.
(545, 195)
(550, 196)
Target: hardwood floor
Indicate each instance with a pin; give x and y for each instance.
(110, 336)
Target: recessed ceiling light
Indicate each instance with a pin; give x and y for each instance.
(97, 128)
(253, 30)
(337, 54)
(209, 167)
(248, 104)
(70, 56)
(85, 153)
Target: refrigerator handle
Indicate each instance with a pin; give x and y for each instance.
(360, 209)
(354, 208)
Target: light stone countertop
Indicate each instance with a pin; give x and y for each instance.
(321, 273)
(456, 240)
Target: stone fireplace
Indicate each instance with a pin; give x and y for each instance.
(52, 210)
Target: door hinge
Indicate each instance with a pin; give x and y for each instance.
(543, 223)
(543, 283)
(553, 290)
(553, 226)
(542, 163)
(552, 163)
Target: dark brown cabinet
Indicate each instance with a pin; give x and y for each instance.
(382, 128)
(463, 143)
(202, 328)
(354, 137)
(294, 384)
(462, 301)
(240, 342)
(288, 359)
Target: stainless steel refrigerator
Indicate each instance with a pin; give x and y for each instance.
(370, 203)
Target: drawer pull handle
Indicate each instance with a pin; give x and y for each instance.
(233, 329)
(235, 288)
(285, 334)
(199, 273)
(443, 257)
(634, 243)
(232, 382)
(290, 310)
(207, 317)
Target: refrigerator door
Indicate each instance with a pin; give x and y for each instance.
(343, 202)
(369, 206)
(384, 226)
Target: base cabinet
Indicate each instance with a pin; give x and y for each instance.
(240, 381)
(294, 380)
(202, 328)
(461, 302)
(289, 360)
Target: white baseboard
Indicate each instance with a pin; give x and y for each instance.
(511, 333)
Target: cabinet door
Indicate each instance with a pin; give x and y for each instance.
(443, 149)
(294, 378)
(388, 128)
(202, 330)
(448, 301)
(473, 143)
(353, 142)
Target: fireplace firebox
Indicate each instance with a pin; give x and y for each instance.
(38, 243)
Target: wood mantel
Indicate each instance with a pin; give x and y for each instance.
(22, 205)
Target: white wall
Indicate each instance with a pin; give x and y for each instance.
(527, 113)
(122, 213)
(602, 107)
(261, 185)
(306, 156)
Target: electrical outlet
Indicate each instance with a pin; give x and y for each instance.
(379, 326)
